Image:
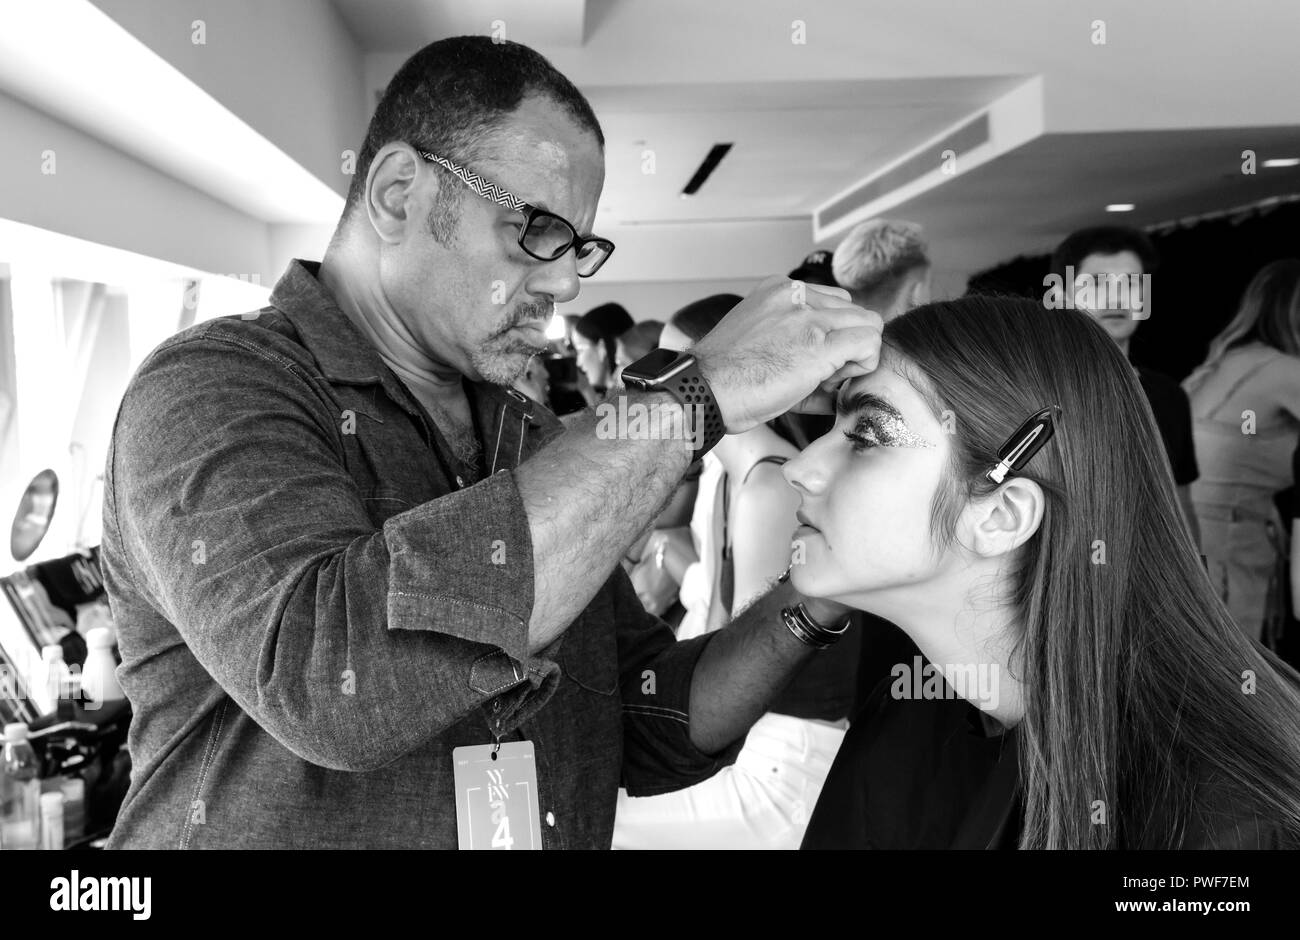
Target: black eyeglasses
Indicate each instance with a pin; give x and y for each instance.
(545, 235)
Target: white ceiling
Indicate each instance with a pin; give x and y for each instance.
(875, 80)
(1158, 115)
(405, 25)
(793, 144)
(1027, 200)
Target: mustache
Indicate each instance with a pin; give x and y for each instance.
(532, 313)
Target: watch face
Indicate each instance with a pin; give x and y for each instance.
(650, 367)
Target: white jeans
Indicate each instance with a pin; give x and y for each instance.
(762, 801)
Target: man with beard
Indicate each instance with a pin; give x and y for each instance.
(348, 563)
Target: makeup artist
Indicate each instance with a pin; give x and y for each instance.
(349, 564)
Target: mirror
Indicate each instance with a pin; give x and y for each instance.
(35, 510)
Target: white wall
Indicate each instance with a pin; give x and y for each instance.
(289, 68)
(99, 194)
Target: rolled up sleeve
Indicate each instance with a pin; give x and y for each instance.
(350, 644)
(655, 675)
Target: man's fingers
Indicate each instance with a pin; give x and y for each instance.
(850, 370)
(820, 402)
(846, 318)
(857, 346)
(822, 298)
(837, 292)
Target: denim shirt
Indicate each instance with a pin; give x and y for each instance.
(315, 605)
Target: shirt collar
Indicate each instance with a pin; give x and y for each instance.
(339, 348)
(345, 355)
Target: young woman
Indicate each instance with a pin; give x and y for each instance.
(635, 343)
(1246, 410)
(1092, 690)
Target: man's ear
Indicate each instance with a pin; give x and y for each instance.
(1005, 519)
(390, 185)
(920, 293)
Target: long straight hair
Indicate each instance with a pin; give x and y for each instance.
(1269, 313)
(1138, 687)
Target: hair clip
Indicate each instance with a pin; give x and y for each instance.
(1021, 446)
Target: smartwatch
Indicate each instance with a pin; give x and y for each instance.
(678, 373)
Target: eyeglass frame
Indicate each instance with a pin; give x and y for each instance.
(503, 197)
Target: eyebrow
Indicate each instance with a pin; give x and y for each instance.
(846, 406)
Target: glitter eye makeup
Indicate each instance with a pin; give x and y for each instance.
(892, 432)
(878, 424)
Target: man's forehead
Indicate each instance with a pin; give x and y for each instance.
(547, 171)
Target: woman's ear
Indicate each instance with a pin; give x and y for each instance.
(1007, 517)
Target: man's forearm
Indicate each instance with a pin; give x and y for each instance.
(742, 670)
(588, 496)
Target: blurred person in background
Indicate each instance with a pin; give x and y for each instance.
(570, 324)
(739, 543)
(637, 341)
(1107, 269)
(566, 382)
(885, 266)
(1246, 404)
(654, 585)
(594, 340)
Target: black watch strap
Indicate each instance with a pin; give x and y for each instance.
(699, 405)
(682, 379)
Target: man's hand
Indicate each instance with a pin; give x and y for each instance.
(787, 345)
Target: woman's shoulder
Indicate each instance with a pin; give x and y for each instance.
(1262, 359)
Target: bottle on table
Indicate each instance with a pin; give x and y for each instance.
(74, 809)
(99, 676)
(20, 790)
(52, 820)
(53, 678)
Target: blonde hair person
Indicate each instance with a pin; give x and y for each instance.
(1246, 418)
(885, 265)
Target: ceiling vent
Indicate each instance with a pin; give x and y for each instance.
(716, 153)
(1010, 121)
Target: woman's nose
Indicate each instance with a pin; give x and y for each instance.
(805, 472)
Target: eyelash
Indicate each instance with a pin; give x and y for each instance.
(860, 441)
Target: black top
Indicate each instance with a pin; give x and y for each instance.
(919, 774)
(1173, 414)
(926, 773)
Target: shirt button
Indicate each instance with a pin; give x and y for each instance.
(550, 819)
